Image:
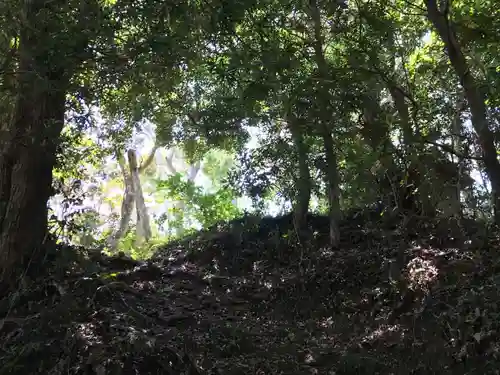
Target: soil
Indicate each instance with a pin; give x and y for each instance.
(400, 296)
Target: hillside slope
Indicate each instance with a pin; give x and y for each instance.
(248, 298)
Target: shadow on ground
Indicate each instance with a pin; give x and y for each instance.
(248, 298)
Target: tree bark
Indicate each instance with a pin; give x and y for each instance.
(28, 146)
(375, 132)
(398, 98)
(475, 98)
(128, 200)
(127, 206)
(143, 223)
(413, 194)
(331, 170)
(149, 160)
(303, 181)
(8, 86)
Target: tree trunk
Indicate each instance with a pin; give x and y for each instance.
(332, 178)
(128, 200)
(375, 132)
(143, 224)
(413, 195)
(475, 98)
(398, 98)
(331, 170)
(7, 86)
(303, 181)
(127, 204)
(28, 148)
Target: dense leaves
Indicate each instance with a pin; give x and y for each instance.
(148, 127)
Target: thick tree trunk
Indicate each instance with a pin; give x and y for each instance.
(331, 170)
(475, 98)
(27, 153)
(26, 177)
(303, 181)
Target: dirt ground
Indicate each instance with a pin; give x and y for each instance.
(248, 297)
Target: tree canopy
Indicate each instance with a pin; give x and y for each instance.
(126, 124)
(347, 103)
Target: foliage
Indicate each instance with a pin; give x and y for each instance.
(248, 93)
(204, 89)
(206, 208)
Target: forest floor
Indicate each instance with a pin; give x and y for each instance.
(248, 298)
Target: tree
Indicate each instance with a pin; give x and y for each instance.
(47, 60)
(66, 48)
(132, 195)
(353, 102)
(303, 181)
(325, 117)
(474, 93)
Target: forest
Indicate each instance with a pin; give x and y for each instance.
(249, 187)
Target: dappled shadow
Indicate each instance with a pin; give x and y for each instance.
(247, 297)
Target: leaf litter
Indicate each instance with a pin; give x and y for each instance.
(249, 297)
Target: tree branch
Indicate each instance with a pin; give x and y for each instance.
(146, 163)
(450, 150)
(170, 165)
